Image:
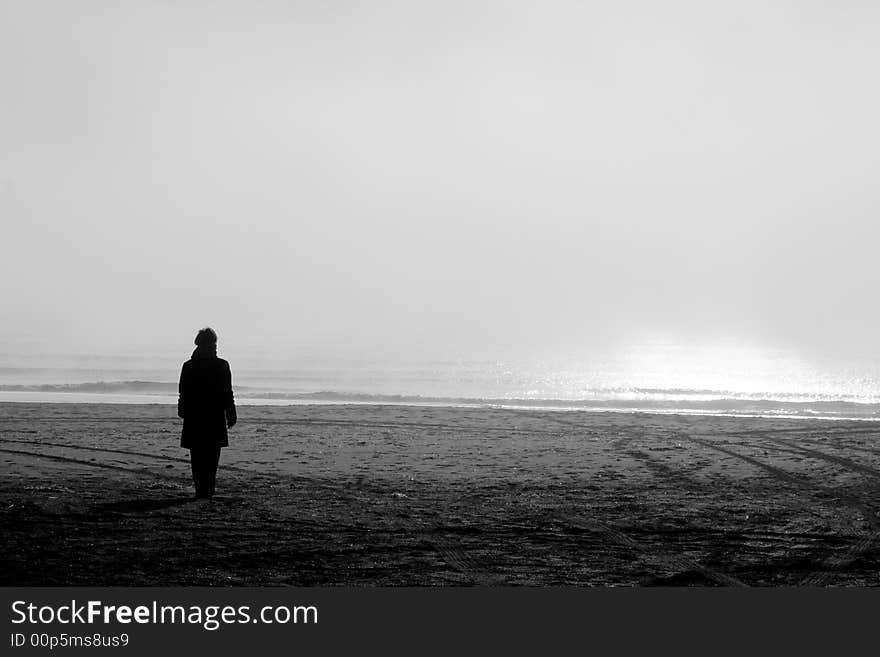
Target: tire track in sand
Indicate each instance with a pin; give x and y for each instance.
(107, 466)
(618, 537)
(864, 544)
(836, 431)
(453, 556)
(868, 542)
(160, 457)
(678, 563)
(824, 456)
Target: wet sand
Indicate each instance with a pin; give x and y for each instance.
(96, 494)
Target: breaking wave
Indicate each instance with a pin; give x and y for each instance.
(647, 400)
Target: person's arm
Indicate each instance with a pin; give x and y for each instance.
(183, 396)
(231, 414)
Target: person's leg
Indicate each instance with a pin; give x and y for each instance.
(212, 461)
(197, 461)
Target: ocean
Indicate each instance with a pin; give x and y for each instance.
(665, 378)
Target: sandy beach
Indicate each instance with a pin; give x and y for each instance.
(94, 494)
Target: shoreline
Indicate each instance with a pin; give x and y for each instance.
(108, 399)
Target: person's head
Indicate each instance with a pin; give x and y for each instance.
(206, 337)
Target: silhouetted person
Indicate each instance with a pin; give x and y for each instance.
(207, 408)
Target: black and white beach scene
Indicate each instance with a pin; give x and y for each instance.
(439, 293)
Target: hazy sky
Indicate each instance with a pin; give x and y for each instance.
(438, 179)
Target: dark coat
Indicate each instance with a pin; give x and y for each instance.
(206, 403)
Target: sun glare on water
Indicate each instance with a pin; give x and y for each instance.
(741, 370)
